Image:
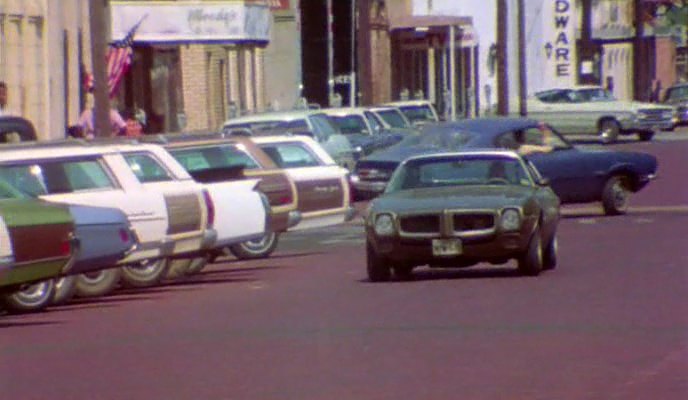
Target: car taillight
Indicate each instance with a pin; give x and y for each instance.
(286, 199)
(210, 207)
(66, 247)
(124, 235)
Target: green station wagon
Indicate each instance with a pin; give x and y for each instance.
(36, 244)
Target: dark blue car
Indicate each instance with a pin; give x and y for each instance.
(576, 175)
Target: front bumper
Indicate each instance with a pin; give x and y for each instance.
(497, 248)
(635, 125)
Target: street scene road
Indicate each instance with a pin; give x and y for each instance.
(610, 322)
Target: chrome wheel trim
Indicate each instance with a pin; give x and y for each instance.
(34, 294)
(620, 195)
(260, 244)
(146, 267)
(93, 277)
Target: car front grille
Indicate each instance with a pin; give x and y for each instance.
(472, 222)
(655, 114)
(420, 224)
(457, 223)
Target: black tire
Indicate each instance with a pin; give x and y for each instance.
(531, 262)
(615, 196)
(65, 289)
(186, 267)
(609, 131)
(646, 136)
(30, 298)
(549, 260)
(377, 267)
(145, 273)
(97, 283)
(197, 265)
(403, 272)
(254, 249)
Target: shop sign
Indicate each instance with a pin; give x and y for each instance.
(279, 5)
(559, 45)
(189, 22)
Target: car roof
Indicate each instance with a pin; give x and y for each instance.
(339, 111)
(488, 126)
(402, 103)
(273, 116)
(469, 152)
(48, 150)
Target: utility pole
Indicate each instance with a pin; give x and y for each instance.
(502, 78)
(330, 54)
(522, 78)
(100, 33)
(352, 78)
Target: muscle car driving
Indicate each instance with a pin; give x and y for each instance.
(594, 110)
(576, 175)
(459, 209)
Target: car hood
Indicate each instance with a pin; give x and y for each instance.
(378, 141)
(637, 105)
(455, 197)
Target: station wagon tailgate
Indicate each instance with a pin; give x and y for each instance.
(241, 212)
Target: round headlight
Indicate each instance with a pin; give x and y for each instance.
(384, 225)
(511, 220)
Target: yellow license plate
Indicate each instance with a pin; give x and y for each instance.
(446, 247)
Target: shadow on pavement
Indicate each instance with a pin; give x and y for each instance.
(18, 324)
(426, 274)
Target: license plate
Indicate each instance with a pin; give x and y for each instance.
(446, 247)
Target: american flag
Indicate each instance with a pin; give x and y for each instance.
(118, 60)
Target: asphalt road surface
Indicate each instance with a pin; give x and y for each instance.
(611, 322)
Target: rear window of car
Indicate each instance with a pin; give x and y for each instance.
(290, 155)
(418, 113)
(201, 158)
(394, 118)
(55, 177)
(147, 169)
(350, 124)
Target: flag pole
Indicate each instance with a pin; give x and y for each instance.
(99, 24)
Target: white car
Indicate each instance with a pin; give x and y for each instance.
(419, 112)
(171, 215)
(313, 123)
(324, 195)
(594, 110)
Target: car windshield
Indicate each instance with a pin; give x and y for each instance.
(7, 191)
(324, 127)
(677, 92)
(394, 118)
(595, 94)
(419, 113)
(350, 124)
(447, 140)
(459, 171)
(216, 156)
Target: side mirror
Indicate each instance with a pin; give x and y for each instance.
(543, 182)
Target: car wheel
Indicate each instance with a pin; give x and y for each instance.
(549, 260)
(531, 262)
(609, 131)
(377, 267)
(403, 272)
(97, 283)
(186, 267)
(65, 289)
(257, 248)
(30, 297)
(646, 136)
(145, 273)
(615, 196)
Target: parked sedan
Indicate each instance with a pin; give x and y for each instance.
(419, 112)
(594, 110)
(677, 97)
(459, 209)
(576, 175)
